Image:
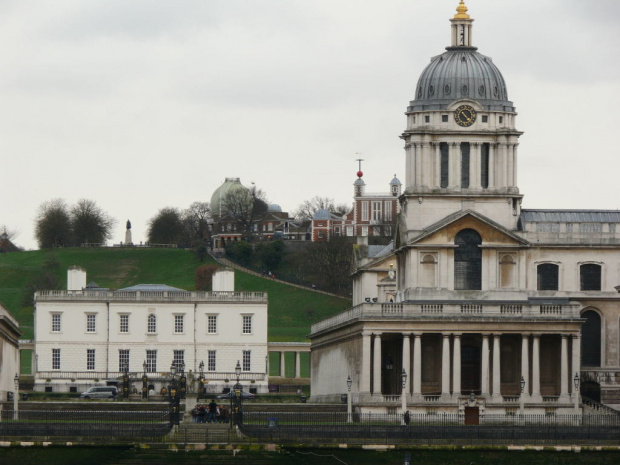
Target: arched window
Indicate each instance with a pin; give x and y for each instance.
(468, 260)
(591, 339)
(547, 276)
(151, 325)
(590, 277)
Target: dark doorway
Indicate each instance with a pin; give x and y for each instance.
(591, 390)
(591, 339)
(470, 368)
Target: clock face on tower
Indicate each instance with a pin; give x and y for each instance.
(465, 116)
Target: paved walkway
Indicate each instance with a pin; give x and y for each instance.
(226, 262)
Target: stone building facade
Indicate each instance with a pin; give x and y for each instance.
(517, 308)
(9, 352)
(85, 335)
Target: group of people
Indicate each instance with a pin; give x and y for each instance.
(210, 413)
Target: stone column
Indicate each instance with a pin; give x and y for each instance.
(283, 364)
(536, 397)
(407, 361)
(497, 395)
(564, 397)
(445, 366)
(475, 158)
(409, 165)
(437, 177)
(418, 164)
(484, 382)
(525, 364)
(297, 365)
(510, 164)
(514, 165)
(366, 362)
(376, 387)
(417, 364)
(456, 367)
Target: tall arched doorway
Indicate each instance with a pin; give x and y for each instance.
(468, 260)
(591, 339)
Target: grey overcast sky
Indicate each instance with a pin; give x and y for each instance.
(143, 104)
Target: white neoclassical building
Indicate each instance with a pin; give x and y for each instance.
(9, 352)
(515, 307)
(85, 335)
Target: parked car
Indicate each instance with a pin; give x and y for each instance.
(99, 392)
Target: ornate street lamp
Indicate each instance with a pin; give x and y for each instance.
(145, 382)
(201, 382)
(126, 380)
(174, 396)
(238, 389)
(403, 394)
(182, 382)
(576, 395)
(15, 398)
(521, 398)
(349, 408)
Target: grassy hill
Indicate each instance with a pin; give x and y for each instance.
(291, 310)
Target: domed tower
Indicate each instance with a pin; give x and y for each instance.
(461, 141)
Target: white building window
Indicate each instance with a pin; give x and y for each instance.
(178, 359)
(364, 230)
(123, 359)
(151, 361)
(211, 360)
(91, 323)
(376, 230)
(151, 323)
(56, 322)
(349, 231)
(376, 211)
(55, 359)
(90, 359)
(364, 211)
(247, 359)
(212, 324)
(123, 324)
(178, 323)
(387, 209)
(247, 324)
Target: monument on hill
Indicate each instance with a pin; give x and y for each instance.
(128, 240)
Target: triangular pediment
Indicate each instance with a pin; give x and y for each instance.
(445, 231)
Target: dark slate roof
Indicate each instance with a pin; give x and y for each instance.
(377, 251)
(570, 216)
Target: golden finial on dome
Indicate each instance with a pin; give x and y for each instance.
(461, 11)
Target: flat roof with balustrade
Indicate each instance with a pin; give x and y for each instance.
(150, 296)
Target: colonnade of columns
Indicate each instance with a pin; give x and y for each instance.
(490, 380)
(423, 165)
(282, 371)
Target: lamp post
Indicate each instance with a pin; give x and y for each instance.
(403, 394)
(521, 399)
(576, 395)
(349, 409)
(145, 382)
(15, 397)
(174, 396)
(201, 381)
(182, 381)
(126, 380)
(238, 390)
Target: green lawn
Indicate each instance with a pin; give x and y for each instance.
(291, 310)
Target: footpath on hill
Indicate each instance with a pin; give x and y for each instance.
(226, 262)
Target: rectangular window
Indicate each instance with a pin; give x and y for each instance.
(387, 211)
(91, 323)
(178, 323)
(501, 120)
(349, 231)
(123, 359)
(124, 324)
(364, 231)
(90, 359)
(55, 359)
(376, 230)
(179, 360)
(427, 119)
(247, 358)
(56, 322)
(247, 324)
(485, 119)
(444, 118)
(590, 277)
(364, 211)
(151, 323)
(444, 150)
(211, 360)
(212, 324)
(484, 165)
(151, 361)
(465, 164)
(591, 227)
(376, 211)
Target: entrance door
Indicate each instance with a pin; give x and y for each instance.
(472, 416)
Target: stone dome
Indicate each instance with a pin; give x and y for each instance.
(461, 73)
(275, 208)
(230, 185)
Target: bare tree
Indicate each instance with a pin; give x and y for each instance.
(308, 208)
(245, 206)
(90, 223)
(53, 224)
(330, 263)
(6, 240)
(197, 218)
